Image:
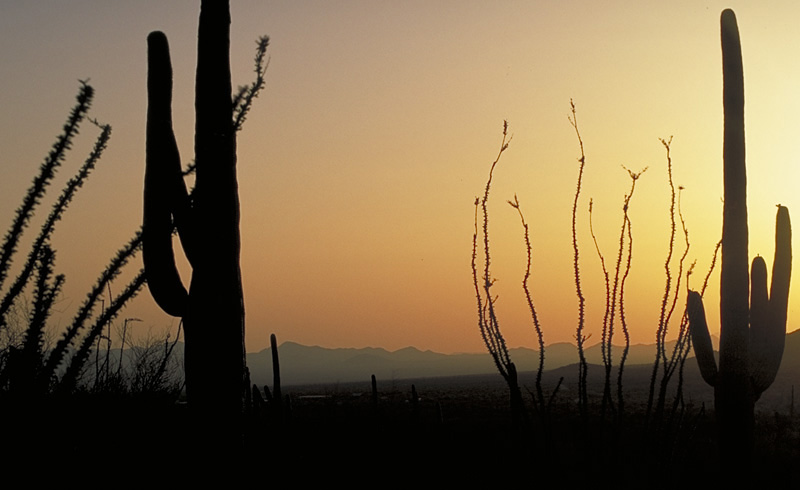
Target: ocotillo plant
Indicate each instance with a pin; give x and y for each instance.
(487, 315)
(580, 337)
(208, 223)
(538, 395)
(615, 296)
(27, 368)
(753, 332)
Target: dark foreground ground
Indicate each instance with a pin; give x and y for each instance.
(464, 424)
(459, 430)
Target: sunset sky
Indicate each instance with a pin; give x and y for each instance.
(360, 162)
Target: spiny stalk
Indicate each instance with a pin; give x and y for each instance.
(606, 280)
(536, 325)
(245, 95)
(111, 271)
(24, 379)
(487, 317)
(583, 400)
(663, 319)
(711, 268)
(44, 295)
(672, 363)
(622, 319)
(605, 344)
(70, 378)
(620, 297)
(42, 180)
(614, 293)
(46, 231)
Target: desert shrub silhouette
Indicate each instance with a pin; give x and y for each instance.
(488, 323)
(29, 368)
(26, 368)
(593, 432)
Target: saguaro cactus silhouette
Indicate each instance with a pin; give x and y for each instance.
(208, 223)
(753, 329)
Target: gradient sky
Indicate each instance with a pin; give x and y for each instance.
(360, 162)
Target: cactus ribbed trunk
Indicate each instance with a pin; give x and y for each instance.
(214, 319)
(733, 393)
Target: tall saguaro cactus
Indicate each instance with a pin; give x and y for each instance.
(208, 223)
(753, 323)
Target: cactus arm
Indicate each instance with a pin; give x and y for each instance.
(759, 325)
(781, 273)
(159, 86)
(162, 163)
(768, 328)
(759, 300)
(701, 339)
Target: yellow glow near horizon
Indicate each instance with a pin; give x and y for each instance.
(359, 164)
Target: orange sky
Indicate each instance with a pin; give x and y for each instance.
(360, 162)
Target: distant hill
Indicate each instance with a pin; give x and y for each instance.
(310, 365)
(317, 365)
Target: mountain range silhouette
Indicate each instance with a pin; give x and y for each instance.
(302, 364)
